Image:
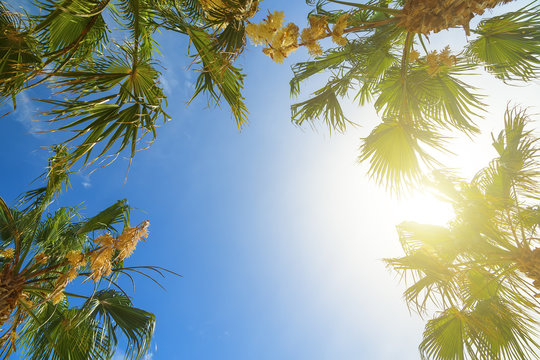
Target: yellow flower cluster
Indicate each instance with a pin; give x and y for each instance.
(339, 29)
(58, 293)
(281, 41)
(8, 253)
(101, 258)
(435, 61)
(413, 55)
(318, 26)
(264, 32)
(41, 258)
(127, 241)
(76, 260)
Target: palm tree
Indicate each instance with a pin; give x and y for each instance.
(480, 275)
(40, 254)
(382, 57)
(99, 56)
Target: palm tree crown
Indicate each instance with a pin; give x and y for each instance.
(40, 254)
(382, 56)
(99, 56)
(481, 273)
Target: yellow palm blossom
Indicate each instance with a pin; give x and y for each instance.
(338, 30)
(58, 293)
(41, 258)
(105, 240)
(100, 262)
(435, 61)
(8, 253)
(127, 241)
(283, 43)
(413, 55)
(264, 32)
(57, 297)
(75, 259)
(317, 29)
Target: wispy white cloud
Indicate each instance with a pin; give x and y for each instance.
(168, 80)
(85, 180)
(25, 114)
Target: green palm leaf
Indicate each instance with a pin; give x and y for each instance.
(396, 153)
(324, 104)
(440, 99)
(19, 53)
(218, 72)
(115, 312)
(445, 336)
(509, 44)
(48, 251)
(479, 270)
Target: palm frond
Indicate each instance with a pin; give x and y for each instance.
(439, 98)
(478, 270)
(445, 336)
(218, 72)
(509, 45)
(114, 214)
(329, 60)
(121, 119)
(115, 312)
(20, 53)
(396, 153)
(324, 104)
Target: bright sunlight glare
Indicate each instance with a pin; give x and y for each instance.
(425, 208)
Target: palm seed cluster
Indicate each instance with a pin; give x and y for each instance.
(426, 16)
(237, 12)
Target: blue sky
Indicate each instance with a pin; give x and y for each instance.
(276, 230)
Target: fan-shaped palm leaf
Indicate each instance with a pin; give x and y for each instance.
(509, 44)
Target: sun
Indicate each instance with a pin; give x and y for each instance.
(424, 207)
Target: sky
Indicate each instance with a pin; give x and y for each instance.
(277, 231)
